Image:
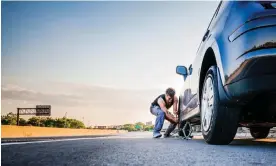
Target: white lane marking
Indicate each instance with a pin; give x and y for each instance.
(73, 139)
(58, 140)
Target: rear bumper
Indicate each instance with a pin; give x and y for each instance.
(254, 64)
(254, 87)
(246, 89)
(255, 76)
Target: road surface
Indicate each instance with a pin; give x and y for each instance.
(138, 149)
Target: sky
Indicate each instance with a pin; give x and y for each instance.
(99, 62)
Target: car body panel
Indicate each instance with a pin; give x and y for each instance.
(196, 66)
(246, 31)
(241, 35)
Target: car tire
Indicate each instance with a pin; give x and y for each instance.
(219, 123)
(259, 132)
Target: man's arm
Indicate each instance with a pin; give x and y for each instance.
(162, 105)
(175, 104)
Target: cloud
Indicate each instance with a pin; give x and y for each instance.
(15, 92)
(99, 105)
(93, 96)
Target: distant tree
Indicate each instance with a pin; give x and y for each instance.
(129, 127)
(139, 125)
(22, 122)
(49, 122)
(34, 121)
(42, 121)
(148, 128)
(61, 123)
(73, 123)
(9, 119)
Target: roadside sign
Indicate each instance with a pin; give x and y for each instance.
(43, 110)
(39, 110)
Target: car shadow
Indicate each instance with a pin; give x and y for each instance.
(244, 142)
(271, 142)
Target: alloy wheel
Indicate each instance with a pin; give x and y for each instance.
(207, 103)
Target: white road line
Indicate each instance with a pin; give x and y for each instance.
(73, 139)
(58, 140)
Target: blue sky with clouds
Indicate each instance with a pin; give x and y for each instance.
(87, 49)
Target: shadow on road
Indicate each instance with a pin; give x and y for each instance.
(254, 142)
(246, 142)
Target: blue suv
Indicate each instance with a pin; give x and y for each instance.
(232, 81)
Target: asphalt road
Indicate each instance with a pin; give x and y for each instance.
(138, 149)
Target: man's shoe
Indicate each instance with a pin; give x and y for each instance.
(157, 135)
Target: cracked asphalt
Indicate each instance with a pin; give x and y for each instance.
(139, 149)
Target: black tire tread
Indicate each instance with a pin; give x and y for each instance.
(224, 123)
(259, 132)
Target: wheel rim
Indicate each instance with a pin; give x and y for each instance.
(207, 103)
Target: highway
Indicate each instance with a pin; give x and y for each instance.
(138, 149)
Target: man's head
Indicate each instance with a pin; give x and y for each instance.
(170, 92)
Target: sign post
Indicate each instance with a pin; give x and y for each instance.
(40, 110)
(17, 120)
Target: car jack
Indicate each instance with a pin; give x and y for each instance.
(186, 130)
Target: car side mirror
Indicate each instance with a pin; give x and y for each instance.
(182, 70)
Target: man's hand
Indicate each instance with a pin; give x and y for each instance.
(170, 117)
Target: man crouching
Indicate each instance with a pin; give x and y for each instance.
(159, 107)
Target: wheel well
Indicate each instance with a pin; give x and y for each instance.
(208, 61)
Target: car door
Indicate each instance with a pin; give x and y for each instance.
(191, 99)
(186, 96)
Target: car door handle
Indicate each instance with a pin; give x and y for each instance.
(206, 35)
